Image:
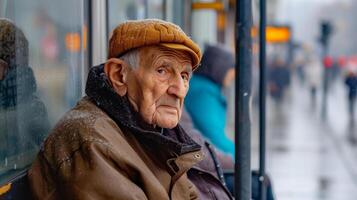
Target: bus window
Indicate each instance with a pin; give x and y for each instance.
(156, 9)
(122, 10)
(43, 59)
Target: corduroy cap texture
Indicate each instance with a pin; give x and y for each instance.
(138, 33)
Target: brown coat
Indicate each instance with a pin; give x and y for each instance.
(102, 149)
(88, 156)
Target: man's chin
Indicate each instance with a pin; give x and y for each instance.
(167, 124)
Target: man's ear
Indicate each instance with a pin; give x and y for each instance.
(117, 72)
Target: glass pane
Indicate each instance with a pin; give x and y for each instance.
(175, 12)
(156, 9)
(122, 10)
(43, 54)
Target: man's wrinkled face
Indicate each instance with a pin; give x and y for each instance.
(157, 88)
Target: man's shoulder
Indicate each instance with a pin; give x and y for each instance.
(83, 121)
(84, 125)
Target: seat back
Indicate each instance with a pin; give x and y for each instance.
(17, 188)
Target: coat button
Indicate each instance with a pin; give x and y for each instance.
(197, 156)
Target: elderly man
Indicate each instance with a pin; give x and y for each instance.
(122, 140)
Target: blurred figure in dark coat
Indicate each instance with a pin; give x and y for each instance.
(351, 83)
(279, 79)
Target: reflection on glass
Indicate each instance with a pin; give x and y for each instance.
(33, 98)
(23, 116)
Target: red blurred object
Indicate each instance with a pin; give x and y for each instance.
(342, 61)
(353, 59)
(328, 61)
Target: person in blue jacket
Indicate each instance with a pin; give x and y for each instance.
(205, 101)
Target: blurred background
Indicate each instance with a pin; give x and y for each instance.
(311, 68)
(311, 117)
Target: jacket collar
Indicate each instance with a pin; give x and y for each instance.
(175, 140)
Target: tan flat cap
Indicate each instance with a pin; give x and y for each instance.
(139, 33)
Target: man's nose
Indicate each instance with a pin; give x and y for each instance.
(178, 87)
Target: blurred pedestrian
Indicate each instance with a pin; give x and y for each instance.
(313, 76)
(279, 78)
(351, 83)
(300, 54)
(205, 101)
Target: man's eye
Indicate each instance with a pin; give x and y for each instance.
(161, 71)
(185, 76)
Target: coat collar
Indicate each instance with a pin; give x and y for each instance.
(175, 140)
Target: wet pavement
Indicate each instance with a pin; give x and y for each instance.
(309, 158)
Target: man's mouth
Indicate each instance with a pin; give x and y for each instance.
(170, 107)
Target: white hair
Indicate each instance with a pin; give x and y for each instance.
(131, 58)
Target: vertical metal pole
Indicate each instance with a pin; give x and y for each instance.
(146, 3)
(99, 32)
(90, 35)
(187, 17)
(164, 10)
(326, 30)
(262, 103)
(242, 99)
(85, 32)
(107, 23)
(4, 8)
(325, 83)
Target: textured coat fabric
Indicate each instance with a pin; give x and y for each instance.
(207, 107)
(101, 149)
